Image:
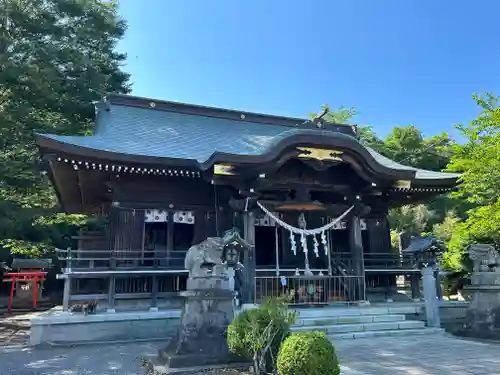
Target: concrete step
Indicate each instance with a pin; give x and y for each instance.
(353, 322)
(384, 333)
(348, 319)
(363, 327)
(328, 312)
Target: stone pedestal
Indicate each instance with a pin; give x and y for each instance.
(201, 338)
(483, 312)
(430, 297)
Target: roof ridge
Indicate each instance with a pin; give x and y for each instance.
(218, 112)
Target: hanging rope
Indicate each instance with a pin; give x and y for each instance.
(304, 232)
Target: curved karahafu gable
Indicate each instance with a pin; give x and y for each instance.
(157, 135)
(148, 135)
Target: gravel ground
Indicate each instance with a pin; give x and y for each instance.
(13, 335)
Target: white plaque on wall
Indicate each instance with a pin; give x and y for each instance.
(161, 216)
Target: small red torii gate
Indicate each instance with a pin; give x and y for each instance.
(27, 276)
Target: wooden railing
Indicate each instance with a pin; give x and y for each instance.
(376, 262)
(74, 260)
(174, 259)
(389, 261)
(143, 288)
(159, 274)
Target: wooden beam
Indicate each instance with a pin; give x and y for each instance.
(170, 235)
(66, 180)
(356, 247)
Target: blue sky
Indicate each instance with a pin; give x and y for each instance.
(399, 62)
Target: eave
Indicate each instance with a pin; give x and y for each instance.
(354, 153)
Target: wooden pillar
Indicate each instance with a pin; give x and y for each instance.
(201, 227)
(383, 243)
(154, 292)
(376, 236)
(314, 221)
(289, 260)
(356, 248)
(249, 261)
(415, 286)
(356, 245)
(170, 240)
(225, 220)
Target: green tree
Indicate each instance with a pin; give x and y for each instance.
(369, 138)
(407, 145)
(342, 115)
(345, 115)
(478, 160)
(413, 219)
(444, 230)
(56, 58)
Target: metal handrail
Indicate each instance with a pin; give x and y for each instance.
(327, 288)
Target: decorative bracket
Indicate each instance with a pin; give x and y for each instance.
(319, 154)
(224, 170)
(402, 184)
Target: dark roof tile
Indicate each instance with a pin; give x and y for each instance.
(148, 132)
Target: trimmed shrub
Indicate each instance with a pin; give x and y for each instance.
(307, 353)
(256, 334)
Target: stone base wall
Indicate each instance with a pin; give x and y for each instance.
(452, 314)
(66, 329)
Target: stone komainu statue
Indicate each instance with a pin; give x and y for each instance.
(205, 258)
(485, 258)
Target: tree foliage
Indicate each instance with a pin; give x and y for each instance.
(478, 160)
(342, 115)
(56, 58)
(470, 215)
(411, 218)
(407, 145)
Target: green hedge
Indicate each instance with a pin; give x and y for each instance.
(307, 353)
(254, 329)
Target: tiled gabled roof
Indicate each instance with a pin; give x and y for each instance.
(166, 134)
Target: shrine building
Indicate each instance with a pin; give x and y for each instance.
(163, 176)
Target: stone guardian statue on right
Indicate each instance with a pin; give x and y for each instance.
(483, 312)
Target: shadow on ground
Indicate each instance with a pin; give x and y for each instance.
(124, 359)
(417, 355)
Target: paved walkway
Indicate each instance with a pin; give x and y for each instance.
(419, 355)
(425, 355)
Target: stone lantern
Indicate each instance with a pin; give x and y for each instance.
(208, 307)
(425, 251)
(234, 247)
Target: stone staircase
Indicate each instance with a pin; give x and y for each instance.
(361, 322)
